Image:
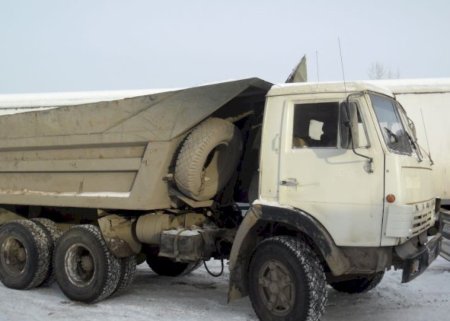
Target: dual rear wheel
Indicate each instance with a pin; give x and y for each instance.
(25, 255)
(80, 260)
(85, 269)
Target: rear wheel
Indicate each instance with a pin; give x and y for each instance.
(166, 267)
(286, 281)
(127, 272)
(53, 234)
(85, 269)
(24, 254)
(359, 285)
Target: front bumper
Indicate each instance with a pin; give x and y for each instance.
(415, 264)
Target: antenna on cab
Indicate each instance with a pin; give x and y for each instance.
(317, 65)
(342, 65)
(426, 137)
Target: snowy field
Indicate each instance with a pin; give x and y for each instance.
(202, 297)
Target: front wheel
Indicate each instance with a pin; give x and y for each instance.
(286, 281)
(360, 284)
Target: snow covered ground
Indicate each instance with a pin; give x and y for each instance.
(202, 297)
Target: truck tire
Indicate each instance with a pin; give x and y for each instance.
(166, 267)
(208, 158)
(286, 281)
(127, 273)
(85, 269)
(53, 234)
(358, 285)
(24, 254)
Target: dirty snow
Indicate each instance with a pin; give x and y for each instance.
(202, 297)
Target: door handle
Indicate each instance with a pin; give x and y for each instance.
(289, 182)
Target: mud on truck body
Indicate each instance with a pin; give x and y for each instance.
(338, 192)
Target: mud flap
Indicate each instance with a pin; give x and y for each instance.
(445, 231)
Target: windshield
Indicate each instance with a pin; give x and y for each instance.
(410, 129)
(395, 136)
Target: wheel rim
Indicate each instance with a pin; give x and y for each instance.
(79, 264)
(276, 288)
(13, 255)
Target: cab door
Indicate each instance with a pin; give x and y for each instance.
(322, 175)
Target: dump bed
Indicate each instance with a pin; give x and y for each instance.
(108, 154)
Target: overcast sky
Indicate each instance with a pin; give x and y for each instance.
(56, 45)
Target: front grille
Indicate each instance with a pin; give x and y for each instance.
(423, 217)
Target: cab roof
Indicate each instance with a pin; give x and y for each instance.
(326, 87)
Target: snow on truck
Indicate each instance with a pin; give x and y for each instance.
(338, 190)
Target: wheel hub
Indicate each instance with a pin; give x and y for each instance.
(79, 265)
(276, 288)
(87, 264)
(13, 255)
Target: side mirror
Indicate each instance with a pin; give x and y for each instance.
(349, 132)
(349, 120)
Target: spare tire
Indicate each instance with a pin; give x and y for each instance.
(208, 158)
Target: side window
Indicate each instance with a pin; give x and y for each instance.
(315, 125)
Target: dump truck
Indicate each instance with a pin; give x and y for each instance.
(337, 187)
(427, 102)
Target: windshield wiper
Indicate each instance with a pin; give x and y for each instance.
(415, 145)
(392, 135)
(426, 152)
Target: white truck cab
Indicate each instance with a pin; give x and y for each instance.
(341, 170)
(307, 162)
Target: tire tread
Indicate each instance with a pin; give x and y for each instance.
(41, 245)
(313, 269)
(112, 263)
(195, 149)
